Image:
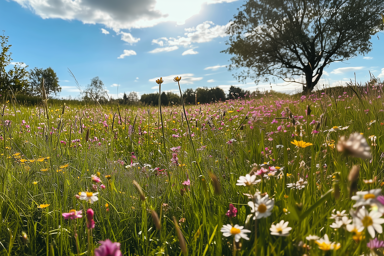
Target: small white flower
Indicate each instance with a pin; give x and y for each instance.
(280, 229)
(326, 245)
(247, 180)
(311, 237)
(300, 184)
(262, 207)
(237, 231)
(371, 221)
(366, 197)
(355, 228)
(344, 221)
(89, 196)
(338, 215)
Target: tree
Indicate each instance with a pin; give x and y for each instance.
(13, 80)
(236, 92)
(133, 97)
(95, 90)
(189, 96)
(51, 81)
(290, 38)
(164, 99)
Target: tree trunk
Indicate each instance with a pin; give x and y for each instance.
(309, 85)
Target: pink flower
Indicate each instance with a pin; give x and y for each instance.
(95, 179)
(72, 214)
(91, 222)
(102, 186)
(232, 211)
(187, 182)
(108, 248)
(262, 171)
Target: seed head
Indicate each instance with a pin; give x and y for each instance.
(355, 146)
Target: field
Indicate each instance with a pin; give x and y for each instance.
(268, 175)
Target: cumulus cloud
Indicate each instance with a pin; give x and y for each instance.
(202, 33)
(115, 85)
(345, 70)
(117, 14)
(367, 58)
(325, 73)
(127, 53)
(214, 68)
(127, 37)
(185, 79)
(104, 31)
(211, 81)
(67, 88)
(381, 75)
(189, 52)
(165, 49)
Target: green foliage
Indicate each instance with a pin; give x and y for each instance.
(95, 91)
(12, 81)
(51, 82)
(286, 39)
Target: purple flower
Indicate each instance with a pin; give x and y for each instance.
(187, 182)
(72, 214)
(108, 248)
(375, 244)
(381, 199)
(232, 211)
(91, 222)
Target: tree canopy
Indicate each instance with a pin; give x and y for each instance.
(291, 38)
(11, 80)
(95, 91)
(51, 81)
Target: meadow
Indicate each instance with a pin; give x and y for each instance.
(270, 175)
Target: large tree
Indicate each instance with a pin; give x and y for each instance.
(11, 80)
(291, 38)
(51, 81)
(95, 91)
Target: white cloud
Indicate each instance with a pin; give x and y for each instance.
(118, 14)
(185, 79)
(165, 49)
(21, 64)
(69, 88)
(367, 58)
(211, 81)
(115, 85)
(127, 53)
(381, 74)
(64, 81)
(189, 52)
(137, 77)
(154, 87)
(214, 67)
(345, 70)
(325, 73)
(104, 31)
(127, 37)
(202, 33)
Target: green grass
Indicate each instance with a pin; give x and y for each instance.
(198, 209)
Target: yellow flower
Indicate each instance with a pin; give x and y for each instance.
(159, 81)
(16, 154)
(32, 160)
(23, 160)
(63, 166)
(42, 206)
(44, 170)
(106, 205)
(35, 182)
(301, 144)
(41, 159)
(177, 79)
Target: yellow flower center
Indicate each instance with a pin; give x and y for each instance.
(89, 194)
(369, 196)
(367, 221)
(324, 246)
(279, 229)
(235, 231)
(72, 211)
(262, 208)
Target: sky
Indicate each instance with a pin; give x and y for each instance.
(129, 44)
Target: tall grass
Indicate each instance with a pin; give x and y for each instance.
(51, 166)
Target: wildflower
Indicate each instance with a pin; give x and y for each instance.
(95, 178)
(338, 215)
(237, 231)
(187, 182)
(280, 229)
(177, 79)
(312, 237)
(42, 206)
(301, 144)
(159, 81)
(262, 206)
(247, 180)
(108, 248)
(375, 244)
(90, 221)
(102, 186)
(366, 197)
(63, 166)
(35, 182)
(44, 170)
(89, 196)
(344, 221)
(326, 245)
(371, 221)
(232, 211)
(72, 214)
(357, 229)
(108, 177)
(356, 146)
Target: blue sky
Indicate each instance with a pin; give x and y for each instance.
(129, 44)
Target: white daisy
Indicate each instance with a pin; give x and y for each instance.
(311, 237)
(355, 228)
(280, 229)
(262, 206)
(300, 184)
(338, 214)
(89, 196)
(237, 231)
(344, 221)
(366, 197)
(371, 221)
(326, 245)
(247, 180)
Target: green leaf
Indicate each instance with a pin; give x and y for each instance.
(324, 198)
